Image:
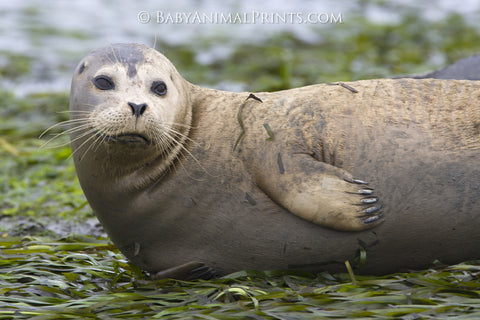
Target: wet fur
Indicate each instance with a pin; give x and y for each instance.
(223, 201)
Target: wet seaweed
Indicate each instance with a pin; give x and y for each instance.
(88, 278)
(240, 119)
(281, 167)
(346, 86)
(271, 136)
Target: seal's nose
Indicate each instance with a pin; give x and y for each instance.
(138, 109)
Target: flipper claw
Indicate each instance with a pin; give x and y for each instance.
(365, 191)
(203, 272)
(371, 219)
(369, 200)
(369, 212)
(357, 181)
(372, 210)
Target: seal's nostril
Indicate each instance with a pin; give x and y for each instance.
(138, 109)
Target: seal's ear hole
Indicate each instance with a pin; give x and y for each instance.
(103, 82)
(82, 68)
(159, 88)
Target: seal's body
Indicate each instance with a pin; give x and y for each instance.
(178, 173)
(464, 69)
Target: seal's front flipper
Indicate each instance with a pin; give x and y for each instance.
(319, 192)
(187, 271)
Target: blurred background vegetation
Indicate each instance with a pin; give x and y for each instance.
(40, 44)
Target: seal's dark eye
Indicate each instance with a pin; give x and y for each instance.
(159, 87)
(103, 83)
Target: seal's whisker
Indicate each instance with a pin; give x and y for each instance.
(86, 105)
(164, 145)
(182, 147)
(79, 127)
(86, 133)
(95, 143)
(106, 132)
(183, 125)
(73, 122)
(55, 137)
(115, 55)
(86, 127)
(161, 143)
(155, 42)
(174, 168)
(74, 111)
(55, 146)
(93, 136)
(83, 143)
(63, 123)
(170, 129)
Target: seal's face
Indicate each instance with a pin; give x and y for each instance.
(131, 98)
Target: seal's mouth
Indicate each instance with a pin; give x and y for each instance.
(132, 138)
(125, 138)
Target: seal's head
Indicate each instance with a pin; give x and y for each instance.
(128, 102)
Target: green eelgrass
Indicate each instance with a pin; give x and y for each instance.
(86, 277)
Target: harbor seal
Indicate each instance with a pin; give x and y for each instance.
(463, 69)
(187, 179)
